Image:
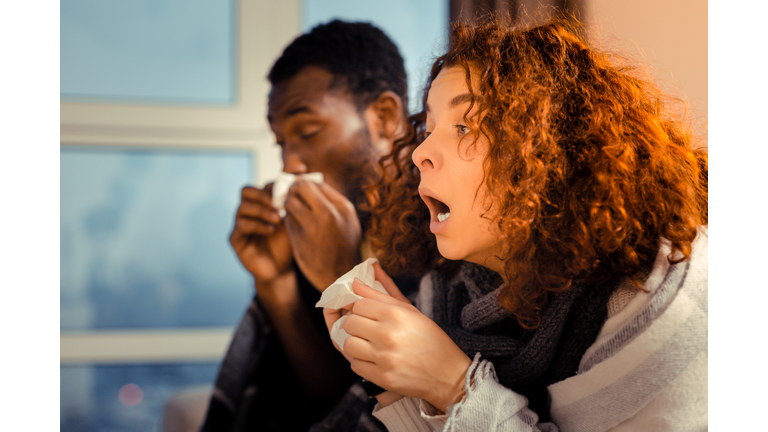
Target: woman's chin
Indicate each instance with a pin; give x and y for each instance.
(448, 253)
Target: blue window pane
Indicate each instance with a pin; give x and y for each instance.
(144, 238)
(148, 51)
(124, 398)
(418, 28)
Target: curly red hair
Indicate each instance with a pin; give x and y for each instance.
(588, 166)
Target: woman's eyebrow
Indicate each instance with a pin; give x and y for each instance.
(460, 99)
(456, 101)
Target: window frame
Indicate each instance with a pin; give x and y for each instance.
(263, 30)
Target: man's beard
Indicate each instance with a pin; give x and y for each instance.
(362, 168)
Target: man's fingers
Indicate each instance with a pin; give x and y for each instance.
(247, 227)
(305, 205)
(308, 193)
(250, 193)
(337, 199)
(257, 204)
(256, 210)
(296, 208)
(304, 200)
(316, 196)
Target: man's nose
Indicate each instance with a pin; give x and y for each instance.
(294, 164)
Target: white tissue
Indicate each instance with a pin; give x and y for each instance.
(340, 294)
(283, 183)
(338, 334)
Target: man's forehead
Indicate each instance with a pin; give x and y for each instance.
(305, 90)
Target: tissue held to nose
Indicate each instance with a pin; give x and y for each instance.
(340, 294)
(283, 183)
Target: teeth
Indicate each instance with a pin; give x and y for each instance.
(443, 216)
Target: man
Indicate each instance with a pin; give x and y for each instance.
(338, 101)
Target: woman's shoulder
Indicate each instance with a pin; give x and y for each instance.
(631, 310)
(651, 360)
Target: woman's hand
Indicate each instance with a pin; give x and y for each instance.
(397, 347)
(333, 315)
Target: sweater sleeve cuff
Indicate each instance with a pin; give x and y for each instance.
(432, 415)
(406, 415)
(487, 405)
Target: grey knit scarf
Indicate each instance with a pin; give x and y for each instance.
(465, 306)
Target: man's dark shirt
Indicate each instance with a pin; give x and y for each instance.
(256, 389)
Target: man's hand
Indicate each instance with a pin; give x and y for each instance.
(259, 238)
(324, 231)
(263, 245)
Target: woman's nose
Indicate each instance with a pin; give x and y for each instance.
(421, 157)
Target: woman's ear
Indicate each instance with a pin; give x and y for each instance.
(388, 114)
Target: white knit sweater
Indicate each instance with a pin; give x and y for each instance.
(646, 371)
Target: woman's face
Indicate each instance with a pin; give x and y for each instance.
(452, 175)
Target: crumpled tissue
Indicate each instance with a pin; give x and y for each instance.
(284, 181)
(340, 294)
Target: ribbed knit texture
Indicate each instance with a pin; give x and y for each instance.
(646, 371)
(527, 361)
(623, 295)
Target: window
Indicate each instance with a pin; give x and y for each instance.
(144, 238)
(163, 120)
(147, 51)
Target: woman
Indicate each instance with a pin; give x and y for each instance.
(565, 234)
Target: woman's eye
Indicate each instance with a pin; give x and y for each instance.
(463, 130)
(427, 134)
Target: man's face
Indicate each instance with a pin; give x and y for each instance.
(320, 130)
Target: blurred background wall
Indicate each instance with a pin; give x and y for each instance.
(670, 37)
(163, 120)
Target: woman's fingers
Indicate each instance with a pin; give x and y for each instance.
(333, 315)
(400, 349)
(365, 291)
(359, 348)
(365, 369)
(360, 326)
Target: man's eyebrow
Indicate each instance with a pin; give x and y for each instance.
(297, 110)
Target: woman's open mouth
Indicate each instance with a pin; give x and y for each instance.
(439, 211)
(438, 208)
